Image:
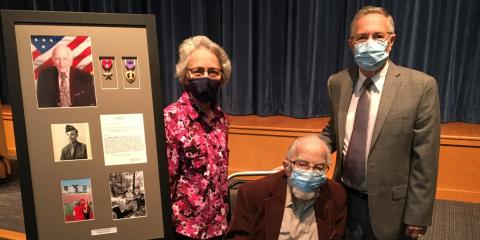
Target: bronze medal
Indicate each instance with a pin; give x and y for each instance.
(130, 76)
(107, 64)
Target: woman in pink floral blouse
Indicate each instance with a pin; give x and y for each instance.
(197, 134)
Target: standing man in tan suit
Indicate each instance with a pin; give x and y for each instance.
(385, 127)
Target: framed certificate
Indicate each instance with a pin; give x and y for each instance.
(88, 120)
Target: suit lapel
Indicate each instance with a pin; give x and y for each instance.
(75, 150)
(390, 89)
(72, 152)
(274, 208)
(322, 203)
(346, 91)
(323, 210)
(71, 79)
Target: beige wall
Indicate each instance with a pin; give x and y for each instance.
(7, 143)
(259, 149)
(263, 148)
(459, 169)
(258, 143)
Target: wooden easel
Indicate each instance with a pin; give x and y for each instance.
(3, 138)
(5, 167)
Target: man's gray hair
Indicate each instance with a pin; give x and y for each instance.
(69, 50)
(309, 139)
(193, 43)
(370, 10)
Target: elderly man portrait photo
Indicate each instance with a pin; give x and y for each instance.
(63, 84)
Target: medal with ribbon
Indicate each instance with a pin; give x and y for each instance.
(107, 64)
(130, 74)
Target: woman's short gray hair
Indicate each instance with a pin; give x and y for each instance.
(189, 45)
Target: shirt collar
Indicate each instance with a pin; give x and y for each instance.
(288, 200)
(304, 204)
(67, 74)
(194, 111)
(377, 79)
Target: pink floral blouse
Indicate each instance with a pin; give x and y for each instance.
(197, 165)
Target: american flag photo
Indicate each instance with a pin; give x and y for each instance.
(42, 47)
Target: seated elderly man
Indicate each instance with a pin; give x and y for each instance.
(298, 202)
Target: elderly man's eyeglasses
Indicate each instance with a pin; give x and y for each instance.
(199, 72)
(305, 165)
(361, 38)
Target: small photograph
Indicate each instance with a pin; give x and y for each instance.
(108, 72)
(77, 200)
(130, 73)
(71, 141)
(127, 195)
(63, 71)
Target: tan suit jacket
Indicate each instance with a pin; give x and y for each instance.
(403, 158)
(260, 204)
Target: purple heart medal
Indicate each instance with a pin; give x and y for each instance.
(130, 74)
(107, 64)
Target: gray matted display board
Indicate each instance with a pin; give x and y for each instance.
(86, 100)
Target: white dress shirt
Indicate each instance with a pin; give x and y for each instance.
(376, 93)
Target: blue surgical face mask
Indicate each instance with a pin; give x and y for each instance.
(371, 55)
(307, 180)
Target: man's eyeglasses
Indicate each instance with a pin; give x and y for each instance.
(200, 72)
(361, 38)
(305, 165)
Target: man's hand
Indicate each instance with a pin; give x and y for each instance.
(414, 232)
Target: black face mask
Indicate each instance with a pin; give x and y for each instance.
(203, 89)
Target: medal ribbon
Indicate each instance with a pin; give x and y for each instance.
(107, 64)
(130, 64)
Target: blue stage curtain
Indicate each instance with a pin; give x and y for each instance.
(283, 51)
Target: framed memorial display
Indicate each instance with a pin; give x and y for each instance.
(87, 108)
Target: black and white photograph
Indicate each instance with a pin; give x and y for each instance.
(71, 141)
(127, 192)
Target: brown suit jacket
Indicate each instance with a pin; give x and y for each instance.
(403, 158)
(260, 204)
